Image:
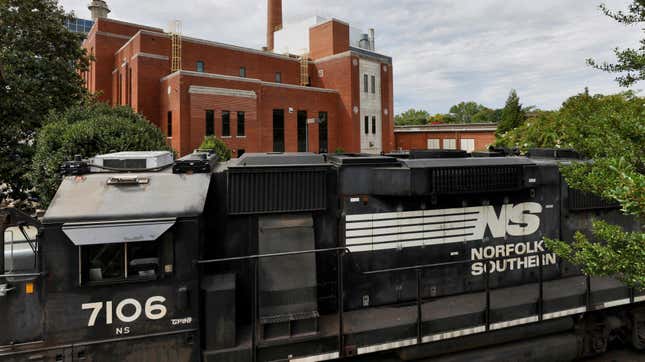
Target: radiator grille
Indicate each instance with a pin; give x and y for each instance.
(580, 200)
(476, 179)
(262, 191)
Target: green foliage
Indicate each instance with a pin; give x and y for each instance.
(217, 145)
(513, 115)
(339, 150)
(411, 117)
(611, 131)
(464, 112)
(488, 115)
(39, 60)
(619, 253)
(629, 61)
(88, 130)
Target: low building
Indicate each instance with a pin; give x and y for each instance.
(463, 136)
(318, 86)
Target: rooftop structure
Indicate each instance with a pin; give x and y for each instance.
(445, 136)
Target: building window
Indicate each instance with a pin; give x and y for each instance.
(243, 72)
(365, 81)
(240, 152)
(240, 124)
(119, 89)
(302, 131)
(467, 144)
(210, 122)
(278, 130)
(433, 144)
(449, 144)
(322, 132)
(226, 124)
(200, 66)
(129, 86)
(169, 124)
(278, 77)
(373, 124)
(373, 85)
(366, 125)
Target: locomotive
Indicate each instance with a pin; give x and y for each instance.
(308, 257)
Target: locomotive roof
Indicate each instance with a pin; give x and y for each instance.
(147, 195)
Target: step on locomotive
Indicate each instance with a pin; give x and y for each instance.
(306, 257)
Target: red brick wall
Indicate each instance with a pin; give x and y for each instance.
(341, 74)
(418, 140)
(258, 113)
(387, 104)
(329, 38)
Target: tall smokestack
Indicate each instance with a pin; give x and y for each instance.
(98, 9)
(274, 20)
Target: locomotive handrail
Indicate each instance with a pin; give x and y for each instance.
(340, 251)
(260, 256)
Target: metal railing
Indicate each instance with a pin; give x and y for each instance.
(341, 251)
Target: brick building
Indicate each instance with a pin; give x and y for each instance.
(468, 137)
(318, 86)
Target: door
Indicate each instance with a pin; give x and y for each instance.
(21, 314)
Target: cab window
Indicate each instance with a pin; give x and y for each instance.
(125, 262)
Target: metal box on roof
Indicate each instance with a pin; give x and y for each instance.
(132, 160)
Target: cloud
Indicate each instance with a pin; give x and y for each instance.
(444, 51)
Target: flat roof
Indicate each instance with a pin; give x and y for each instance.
(448, 127)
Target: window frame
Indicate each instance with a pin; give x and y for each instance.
(242, 72)
(446, 142)
(433, 140)
(365, 83)
(226, 123)
(366, 125)
(373, 84)
(169, 124)
(209, 122)
(278, 77)
(200, 64)
(323, 132)
(165, 255)
(241, 126)
(374, 125)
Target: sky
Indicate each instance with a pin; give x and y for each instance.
(444, 51)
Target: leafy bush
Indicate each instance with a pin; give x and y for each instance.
(217, 145)
(610, 129)
(87, 130)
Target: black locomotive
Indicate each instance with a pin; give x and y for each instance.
(304, 257)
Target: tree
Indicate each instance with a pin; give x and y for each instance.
(513, 115)
(488, 115)
(221, 150)
(412, 117)
(87, 130)
(39, 64)
(465, 111)
(610, 130)
(629, 61)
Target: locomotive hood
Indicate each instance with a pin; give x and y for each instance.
(135, 206)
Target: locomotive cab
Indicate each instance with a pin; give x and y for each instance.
(119, 239)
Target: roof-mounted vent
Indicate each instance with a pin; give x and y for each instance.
(419, 154)
(132, 161)
(553, 153)
(200, 161)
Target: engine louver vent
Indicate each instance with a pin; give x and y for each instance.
(476, 179)
(276, 190)
(580, 200)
